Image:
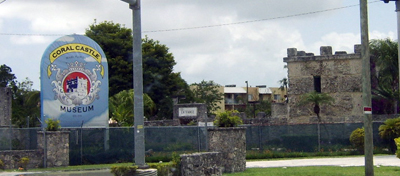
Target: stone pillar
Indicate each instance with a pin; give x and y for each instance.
(56, 147)
(5, 106)
(231, 143)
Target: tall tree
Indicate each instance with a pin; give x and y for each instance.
(25, 104)
(385, 81)
(159, 80)
(116, 42)
(207, 92)
(6, 77)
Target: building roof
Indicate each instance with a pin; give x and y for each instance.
(234, 90)
(264, 90)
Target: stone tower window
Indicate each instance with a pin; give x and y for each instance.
(317, 83)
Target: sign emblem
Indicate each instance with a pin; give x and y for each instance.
(76, 85)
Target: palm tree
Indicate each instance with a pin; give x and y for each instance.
(121, 107)
(384, 56)
(284, 84)
(316, 100)
(390, 130)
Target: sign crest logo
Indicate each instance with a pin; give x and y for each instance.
(76, 85)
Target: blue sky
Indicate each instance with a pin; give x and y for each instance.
(232, 53)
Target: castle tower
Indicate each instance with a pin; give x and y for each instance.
(337, 74)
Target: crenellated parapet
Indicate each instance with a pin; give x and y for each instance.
(325, 54)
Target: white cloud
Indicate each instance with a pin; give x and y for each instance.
(29, 40)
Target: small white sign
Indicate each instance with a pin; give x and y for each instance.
(208, 124)
(192, 111)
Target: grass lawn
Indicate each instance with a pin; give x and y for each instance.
(318, 171)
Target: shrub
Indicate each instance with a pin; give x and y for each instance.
(123, 170)
(389, 130)
(357, 139)
(24, 161)
(397, 141)
(52, 125)
(1, 164)
(227, 119)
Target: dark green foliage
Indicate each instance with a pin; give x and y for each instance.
(357, 139)
(384, 75)
(6, 77)
(52, 125)
(302, 143)
(208, 92)
(24, 161)
(121, 107)
(397, 141)
(1, 165)
(227, 119)
(159, 80)
(390, 130)
(116, 42)
(123, 170)
(25, 104)
(262, 106)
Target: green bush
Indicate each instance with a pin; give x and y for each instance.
(123, 170)
(389, 130)
(227, 119)
(397, 141)
(166, 169)
(52, 125)
(24, 161)
(357, 139)
(1, 164)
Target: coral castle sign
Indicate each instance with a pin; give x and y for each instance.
(74, 82)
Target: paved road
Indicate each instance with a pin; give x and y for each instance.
(389, 160)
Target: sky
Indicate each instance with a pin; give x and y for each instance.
(226, 41)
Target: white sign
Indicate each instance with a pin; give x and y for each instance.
(192, 111)
(208, 124)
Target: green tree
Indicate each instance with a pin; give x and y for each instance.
(116, 42)
(262, 106)
(316, 100)
(25, 104)
(389, 130)
(159, 80)
(121, 107)
(208, 92)
(6, 77)
(385, 81)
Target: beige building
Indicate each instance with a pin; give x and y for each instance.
(337, 74)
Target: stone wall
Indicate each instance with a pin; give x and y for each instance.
(231, 143)
(202, 164)
(56, 149)
(11, 158)
(5, 106)
(340, 76)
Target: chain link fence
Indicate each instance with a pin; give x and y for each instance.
(111, 145)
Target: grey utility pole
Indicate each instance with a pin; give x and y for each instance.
(138, 84)
(366, 90)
